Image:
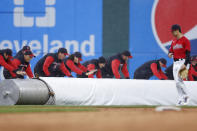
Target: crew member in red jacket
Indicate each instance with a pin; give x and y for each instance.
(73, 64)
(94, 64)
(52, 65)
(192, 75)
(21, 65)
(116, 63)
(5, 60)
(150, 68)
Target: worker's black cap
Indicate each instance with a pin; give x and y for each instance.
(127, 53)
(63, 50)
(163, 61)
(101, 60)
(26, 48)
(8, 52)
(30, 53)
(78, 55)
(176, 27)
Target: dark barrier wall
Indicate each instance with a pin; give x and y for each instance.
(115, 26)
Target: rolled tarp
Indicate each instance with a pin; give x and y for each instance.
(106, 92)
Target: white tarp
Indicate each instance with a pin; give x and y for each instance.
(88, 91)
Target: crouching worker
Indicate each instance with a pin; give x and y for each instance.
(150, 68)
(192, 75)
(5, 60)
(21, 64)
(94, 65)
(73, 64)
(116, 63)
(52, 65)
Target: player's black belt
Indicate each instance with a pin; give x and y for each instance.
(178, 59)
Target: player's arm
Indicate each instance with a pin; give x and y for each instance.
(187, 52)
(29, 72)
(64, 69)
(155, 71)
(170, 53)
(125, 71)
(49, 60)
(115, 65)
(73, 67)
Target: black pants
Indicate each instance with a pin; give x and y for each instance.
(142, 75)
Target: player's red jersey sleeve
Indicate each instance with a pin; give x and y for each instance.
(73, 67)
(159, 74)
(64, 69)
(49, 60)
(115, 65)
(125, 71)
(29, 72)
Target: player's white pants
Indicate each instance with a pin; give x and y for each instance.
(181, 88)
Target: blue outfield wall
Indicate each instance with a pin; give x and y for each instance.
(47, 25)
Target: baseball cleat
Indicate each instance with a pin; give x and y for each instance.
(185, 100)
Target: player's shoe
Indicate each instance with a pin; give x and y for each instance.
(185, 100)
(180, 103)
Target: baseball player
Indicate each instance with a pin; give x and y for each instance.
(52, 65)
(180, 52)
(116, 63)
(94, 64)
(21, 64)
(150, 68)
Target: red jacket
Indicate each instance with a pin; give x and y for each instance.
(91, 67)
(192, 72)
(115, 68)
(22, 67)
(77, 68)
(158, 73)
(7, 65)
(49, 60)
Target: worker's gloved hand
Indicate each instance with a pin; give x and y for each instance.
(162, 79)
(127, 78)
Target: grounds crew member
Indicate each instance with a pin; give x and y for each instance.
(21, 65)
(51, 65)
(5, 60)
(73, 64)
(116, 63)
(94, 64)
(192, 75)
(180, 52)
(151, 68)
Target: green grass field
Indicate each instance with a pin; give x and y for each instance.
(42, 108)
